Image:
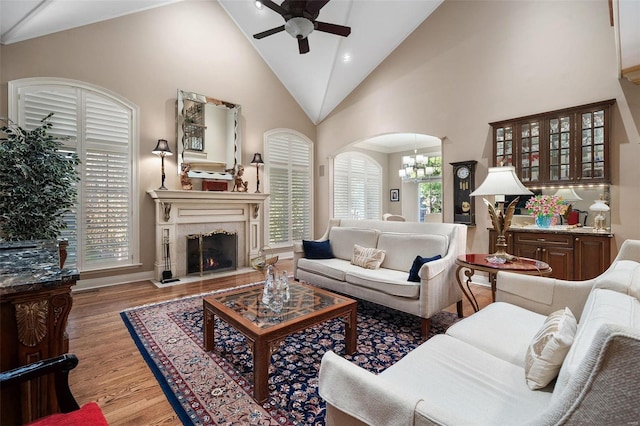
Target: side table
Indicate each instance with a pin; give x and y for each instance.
(478, 262)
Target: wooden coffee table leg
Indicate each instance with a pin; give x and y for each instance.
(261, 361)
(209, 327)
(351, 331)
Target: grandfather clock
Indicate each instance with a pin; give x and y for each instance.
(464, 173)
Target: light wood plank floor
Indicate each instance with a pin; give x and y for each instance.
(112, 371)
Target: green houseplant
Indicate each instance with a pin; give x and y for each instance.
(37, 182)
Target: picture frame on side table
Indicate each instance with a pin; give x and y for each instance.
(394, 195)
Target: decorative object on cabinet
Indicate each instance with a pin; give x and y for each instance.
(394, 195)
(257, 160)
(501, 181)
(162, 149)
(463, 184)
(209, 137)
(214, 185)
(562, 147)
(38, 182)
(239, 184)
(599, 222)
(185, 180)
(569, 195)
(544, 208)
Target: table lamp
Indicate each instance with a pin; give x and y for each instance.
(257, 160)
(600, 221)
(501, 181)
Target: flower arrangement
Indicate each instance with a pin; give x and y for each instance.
(545, 205)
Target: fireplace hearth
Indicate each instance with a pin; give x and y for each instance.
(212, 252)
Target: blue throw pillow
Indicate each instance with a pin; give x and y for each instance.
(317, 249)
(417, 264)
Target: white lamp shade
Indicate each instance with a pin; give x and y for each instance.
(567, 194)
(501, 181)
(599, 206)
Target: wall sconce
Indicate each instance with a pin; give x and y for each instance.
(257, 160)
(501, 181)
(162, 149)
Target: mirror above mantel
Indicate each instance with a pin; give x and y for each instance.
(209, 139)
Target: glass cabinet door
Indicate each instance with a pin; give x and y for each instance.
(529, 155)
(560, 152)
(592, 152)
(503, 148)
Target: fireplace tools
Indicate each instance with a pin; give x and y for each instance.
(167, 276)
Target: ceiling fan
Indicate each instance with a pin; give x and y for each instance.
(300, 20)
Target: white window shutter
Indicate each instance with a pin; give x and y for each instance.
(357, 187)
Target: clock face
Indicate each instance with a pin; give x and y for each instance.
(463, 172)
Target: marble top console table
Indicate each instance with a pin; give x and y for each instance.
(35, 301)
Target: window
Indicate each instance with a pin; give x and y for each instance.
(99, 126)
(357, 186)
(430, 190)
(288, 176)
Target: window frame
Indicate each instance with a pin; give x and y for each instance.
(14, 90)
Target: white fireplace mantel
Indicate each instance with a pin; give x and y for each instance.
(181, 213)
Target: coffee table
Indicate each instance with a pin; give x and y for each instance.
(479, 262)
(264, 329)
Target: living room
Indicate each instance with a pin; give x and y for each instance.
(467, 65)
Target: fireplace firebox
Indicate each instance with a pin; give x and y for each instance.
(212, 252)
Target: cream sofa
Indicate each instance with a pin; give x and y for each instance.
(474, 374)
(388, 285)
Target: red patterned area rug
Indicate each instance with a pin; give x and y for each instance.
(215, 388)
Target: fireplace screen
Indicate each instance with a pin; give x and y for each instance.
(215, 251)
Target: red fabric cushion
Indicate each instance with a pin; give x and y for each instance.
(88, 414)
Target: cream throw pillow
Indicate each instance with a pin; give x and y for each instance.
(367, 257)
(549, 348)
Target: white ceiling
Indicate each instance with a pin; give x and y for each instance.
(318, 80)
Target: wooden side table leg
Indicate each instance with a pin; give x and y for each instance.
(351, 331)
(261, 361)
(467, 292)
(492, 279)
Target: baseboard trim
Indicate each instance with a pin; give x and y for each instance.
(93, 283)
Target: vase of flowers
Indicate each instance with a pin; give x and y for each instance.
(544, 208)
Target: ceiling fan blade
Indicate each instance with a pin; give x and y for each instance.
(269, 32)
(332, 28)
(314, 6)
(303, 45)
(274, 6)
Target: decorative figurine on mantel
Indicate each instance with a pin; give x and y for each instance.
(240, 185)
(185, 180)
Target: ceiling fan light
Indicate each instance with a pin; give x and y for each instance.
(298, 27)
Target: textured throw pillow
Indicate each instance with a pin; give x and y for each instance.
(367, 257)
(417, 264)
(549, 348)
(317, 249)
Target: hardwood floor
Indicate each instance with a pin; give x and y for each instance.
(112, 371)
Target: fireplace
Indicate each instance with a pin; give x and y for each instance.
(215, 251)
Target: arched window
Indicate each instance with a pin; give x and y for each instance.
(101, 128)
(289, 181)
(357, 186)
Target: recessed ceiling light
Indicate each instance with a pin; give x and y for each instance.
(346, 57)
(259, 5)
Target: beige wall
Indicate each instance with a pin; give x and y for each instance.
(146, 57)
(474, 62)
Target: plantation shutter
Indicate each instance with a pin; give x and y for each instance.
(357, 183)
(289, 168)
(99, 129)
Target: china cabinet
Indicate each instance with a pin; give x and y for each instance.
(563, 147)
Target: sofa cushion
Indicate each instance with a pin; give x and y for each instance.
(332, 268)
(461, 384)
(549, 348)
(343, 240)
(501, 329)
(417, 264)
(624, 277)
(317, 249)
(383, 280)
(401, 249)
(602, 307)
(367, 257)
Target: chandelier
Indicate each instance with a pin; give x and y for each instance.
(416, 168)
